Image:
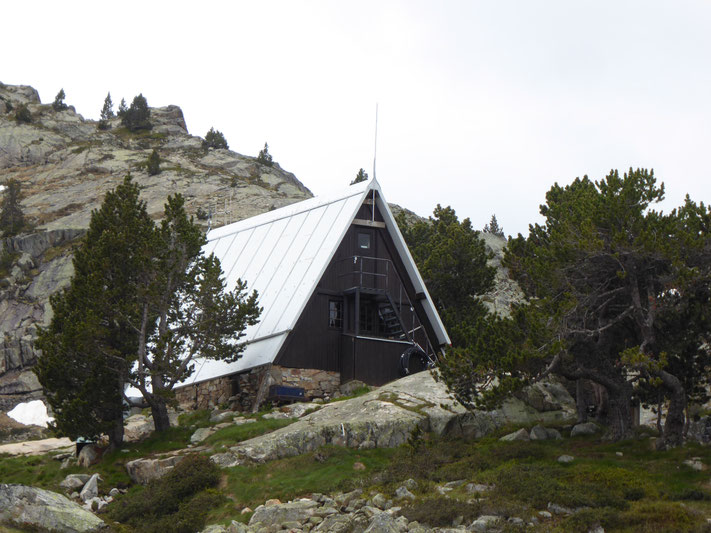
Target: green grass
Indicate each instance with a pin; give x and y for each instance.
(232, 435)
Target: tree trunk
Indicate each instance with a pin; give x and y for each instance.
(580, 402)
(619, 412)
(116, 433)
(674, 423)
(159, 410)
(660, 407)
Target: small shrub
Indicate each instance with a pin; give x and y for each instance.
(214, 139)
(202, 214)
(361, 176)
(153, 163)
(440, 512)
(265, 157)
(171, 500)
(58, 104)
(23, 115)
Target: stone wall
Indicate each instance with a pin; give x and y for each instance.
(246, 391)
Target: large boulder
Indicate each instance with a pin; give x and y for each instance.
(386, 417)
(45, 511)
(144, 470)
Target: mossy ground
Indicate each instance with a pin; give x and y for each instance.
(625, 486)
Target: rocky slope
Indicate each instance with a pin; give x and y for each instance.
(65, 165)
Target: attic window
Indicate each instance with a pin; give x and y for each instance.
(363, 241)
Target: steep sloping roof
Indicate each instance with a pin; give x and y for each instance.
(282, 255)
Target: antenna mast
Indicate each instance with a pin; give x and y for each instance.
(375, 149)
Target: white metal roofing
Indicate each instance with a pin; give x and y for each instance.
(282, 254)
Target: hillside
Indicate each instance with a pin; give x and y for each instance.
(65, 165)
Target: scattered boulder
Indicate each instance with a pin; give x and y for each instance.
(137, 427)
(200, 435)
(45, 510)
(521, 434)
(485, 523)
(539, 432)
(586, 428)
(91, 488)
(383, 523)
(90, 454)
(74, 482)
(565, 459)
(278, 513)
(144, 470)
(403, 492)
(559, 509)
(695, 464)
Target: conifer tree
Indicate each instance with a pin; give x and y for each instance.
(137, 116)
(58, 104)
(153, 163)
(493, 227)
(122, 108)
(265, 157)
(214, 139)
(12, 219)
(107, 113)
(361, 176)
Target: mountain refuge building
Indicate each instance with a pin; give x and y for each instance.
(342, 300)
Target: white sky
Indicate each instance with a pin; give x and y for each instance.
(483, 105)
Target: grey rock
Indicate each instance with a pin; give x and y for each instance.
(144, 470)
(695, 464)
(45, 510)
(218, 417)
(338, 523)
(586, 428)
(565, 459)
(478, 488)
(545, 514)
(74, 481)
(383, 523)
(539, 432)
(200, 435)
(137, 427)
(114, 492)
(402, 492)
(559, 509)
(411, 484)
(484, 523)
(296, 511)
(521, 434)
(91, 488)
(380, 501)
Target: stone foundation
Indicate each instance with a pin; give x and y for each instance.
(246, 391)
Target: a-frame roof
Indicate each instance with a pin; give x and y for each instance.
(282, 254)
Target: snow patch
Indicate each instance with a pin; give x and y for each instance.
(31, 413)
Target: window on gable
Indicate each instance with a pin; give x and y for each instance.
(364, 239)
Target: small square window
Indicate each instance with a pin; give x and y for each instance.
(364, 241)
(335, 314)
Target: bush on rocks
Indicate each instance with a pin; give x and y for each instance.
(178, 502)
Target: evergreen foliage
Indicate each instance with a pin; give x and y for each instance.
(122, 109)
(265, 157)
(107, 113)
(493, 227)
(214, 139)
(22, 114)
(153, 163)
(143, 303)
(361, 176)
(12, 220)
(610, 280)
(58, 104)
(452, 260)
(137, 117)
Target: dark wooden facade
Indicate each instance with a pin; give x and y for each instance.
(364, 312)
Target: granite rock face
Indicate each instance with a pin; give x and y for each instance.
(45, 510)
(387, 416)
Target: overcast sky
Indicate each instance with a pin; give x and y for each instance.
(483, 105)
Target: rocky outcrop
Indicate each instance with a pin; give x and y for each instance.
(44, 510)
(506, 291)
(387, 416)
(65, 166)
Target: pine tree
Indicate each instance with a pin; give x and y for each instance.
(58, 104)
(493, 227)
(153, 163)
(214, 139)
(137, 117)
(265, 157)
(107, 113)
(361, 176)
(122, 108)
(12, 219)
